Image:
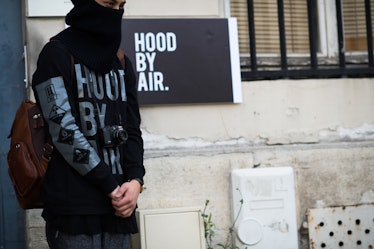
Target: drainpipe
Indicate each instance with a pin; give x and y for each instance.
(12, 92)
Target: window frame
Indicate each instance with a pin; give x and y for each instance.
(328, 43)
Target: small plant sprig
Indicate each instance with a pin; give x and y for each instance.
(209, 227)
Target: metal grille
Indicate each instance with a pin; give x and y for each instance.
(315, 68)
(341, 227)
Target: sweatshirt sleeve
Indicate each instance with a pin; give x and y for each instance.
(52, 84)
(134, 149)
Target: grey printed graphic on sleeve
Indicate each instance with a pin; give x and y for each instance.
(66, 136)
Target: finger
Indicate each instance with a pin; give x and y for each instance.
(123, 207)
(124, 214)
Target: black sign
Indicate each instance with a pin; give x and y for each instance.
(184, 61)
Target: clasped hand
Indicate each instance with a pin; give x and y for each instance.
(124, 198)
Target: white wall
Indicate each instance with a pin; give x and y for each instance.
(273, 112)
(175, 8)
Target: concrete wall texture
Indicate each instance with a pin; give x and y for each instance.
(322, 128)
(329, 174)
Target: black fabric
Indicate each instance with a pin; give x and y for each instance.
(60, 240)
(94, 35)
(91, 224)
(71, 198)
(77, 2)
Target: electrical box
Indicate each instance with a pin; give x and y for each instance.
(341, 227)
(263, 201)
(181, 228)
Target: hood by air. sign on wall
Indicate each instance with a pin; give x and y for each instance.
(184, 61)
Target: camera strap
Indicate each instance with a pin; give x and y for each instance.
(100, 118)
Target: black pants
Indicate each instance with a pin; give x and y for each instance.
(59, 240)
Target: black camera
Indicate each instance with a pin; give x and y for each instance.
(113, 136)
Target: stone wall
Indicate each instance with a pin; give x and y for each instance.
(328, 174)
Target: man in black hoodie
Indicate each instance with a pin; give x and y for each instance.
(89, 101)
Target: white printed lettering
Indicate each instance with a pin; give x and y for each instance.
(111, 80)
(141, 64)
(171, 39)
(150, 42)
(88, 122)
(151, 59)
(146, 46)
(142, 82)
(154, 82)
(139, 42)
(158, 80)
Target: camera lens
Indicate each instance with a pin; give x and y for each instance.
(122, 135)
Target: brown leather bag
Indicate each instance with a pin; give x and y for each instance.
(30, 151)
(29, 155)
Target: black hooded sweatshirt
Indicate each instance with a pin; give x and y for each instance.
(81, 91)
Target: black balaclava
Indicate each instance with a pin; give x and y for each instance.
(94, 35)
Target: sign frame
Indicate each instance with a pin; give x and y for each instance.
(185, 60)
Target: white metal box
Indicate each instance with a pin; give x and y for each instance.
(341, 227)
(181, 228)
(267, 217)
